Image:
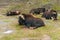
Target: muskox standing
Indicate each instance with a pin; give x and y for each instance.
(37, 11)
(11, 13)
(49, 14)
(29, 21)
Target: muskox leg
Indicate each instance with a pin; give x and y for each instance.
(48, 16)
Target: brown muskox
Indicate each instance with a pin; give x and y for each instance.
(49, 14)
(37, 10)
(11, 13)
(30, 21)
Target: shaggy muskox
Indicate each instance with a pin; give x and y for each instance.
(37, 10)
(54, 14)
(11, 13)
(49, 14)
(30, 21)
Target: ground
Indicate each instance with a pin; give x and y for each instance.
(11, 30)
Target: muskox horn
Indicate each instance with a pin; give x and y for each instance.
(22, 17)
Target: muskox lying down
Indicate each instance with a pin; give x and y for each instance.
(37, 10)
(50, 14)
(29, 21)
(11, 13)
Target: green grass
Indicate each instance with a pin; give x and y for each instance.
(50, 28)
(46, 30)
(53, 32)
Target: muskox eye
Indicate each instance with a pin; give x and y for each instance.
(22, 17)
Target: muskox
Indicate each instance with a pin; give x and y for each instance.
(37, 10)
(11, 13)
(30, 21)
(49, 14)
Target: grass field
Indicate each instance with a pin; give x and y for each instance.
(51, 30)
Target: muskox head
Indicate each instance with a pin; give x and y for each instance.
(21, 19)
(24, 17)
(11, 13)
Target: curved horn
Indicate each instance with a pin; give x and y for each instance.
(22, 17)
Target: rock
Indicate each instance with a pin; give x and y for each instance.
(8, 32)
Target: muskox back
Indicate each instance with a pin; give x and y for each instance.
(41, 9)
(37, 10)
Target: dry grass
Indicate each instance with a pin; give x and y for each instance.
(49, 32)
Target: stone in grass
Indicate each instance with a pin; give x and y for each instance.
(8, 32)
